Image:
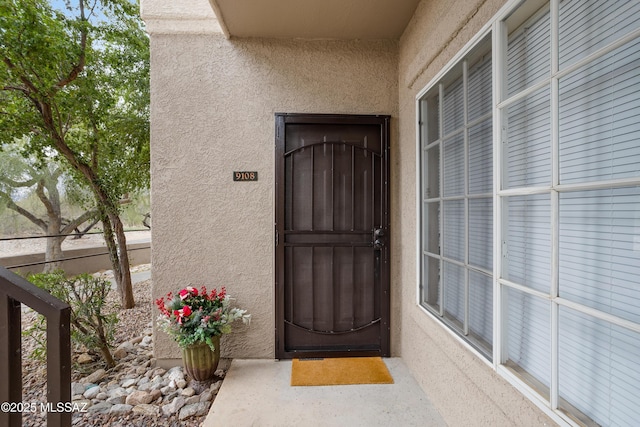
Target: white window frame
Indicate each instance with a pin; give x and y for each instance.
(466, 196)
(497, 28)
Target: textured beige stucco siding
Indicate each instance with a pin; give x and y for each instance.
(464, 389)
(212, 113)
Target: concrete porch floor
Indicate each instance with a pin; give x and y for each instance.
(257, 392)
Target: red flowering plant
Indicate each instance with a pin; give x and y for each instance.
(194, 316)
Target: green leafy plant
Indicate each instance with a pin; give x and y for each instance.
(90, 325)
(194, 316)
(38, 329)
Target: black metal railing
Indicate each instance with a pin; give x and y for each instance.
(14, 291)
(74, 235)
(70, 258)
(64, 258)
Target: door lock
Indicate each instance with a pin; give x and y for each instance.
(378, 241)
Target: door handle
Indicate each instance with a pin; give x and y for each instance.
(378, 241)
(378, 245)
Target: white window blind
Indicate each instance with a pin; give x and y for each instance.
(600, 250)
(453, 111)
(454, 229)
(481, 308)
(529, 54)
(596, 229)
(481, 158)
(453, 153)
(599, 369)
(527, 231)
(586, 26)
(568, 168)
(454, 292)
(479, 90)
(528, 144)
(600, 118)
(480, 233)
(527, 337)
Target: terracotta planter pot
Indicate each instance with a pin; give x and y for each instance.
(200, 361)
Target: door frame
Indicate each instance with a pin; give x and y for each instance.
(281, 120)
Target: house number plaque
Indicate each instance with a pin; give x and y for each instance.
(245, 176)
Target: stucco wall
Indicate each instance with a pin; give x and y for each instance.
(213, 105)
(212, 113)
(447, 371)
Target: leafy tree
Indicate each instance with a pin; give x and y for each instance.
(20, 173)
(76, 82)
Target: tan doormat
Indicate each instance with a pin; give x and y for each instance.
(339, 371)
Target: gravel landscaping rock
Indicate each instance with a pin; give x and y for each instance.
(133, 393)
(195, 410)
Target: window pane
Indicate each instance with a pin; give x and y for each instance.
(599, 369)
(431, 226)
(481, 233)
(458, 161)
(481, 158)
(481, 308)
(430, 119)
(431, 171)
(431, 281)
(600, 250)
(529, 338)
(527, 253)
(453, 107)
(454, 230)
(588, 25)
(528, 147)
(600, 118)
(454, 293)
(528, 55)
(480, 90)
(453, 166)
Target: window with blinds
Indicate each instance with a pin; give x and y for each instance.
(571, 253)
(565, 124)
(457, 205)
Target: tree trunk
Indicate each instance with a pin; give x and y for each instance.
(117, 247)
(107, 356)
(125, 269)
(53, 254)
(108, 209)
(54, 244)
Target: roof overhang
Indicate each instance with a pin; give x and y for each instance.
(314, 19)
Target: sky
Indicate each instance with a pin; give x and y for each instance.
(61, 5)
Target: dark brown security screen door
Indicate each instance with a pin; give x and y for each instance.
(332, 229)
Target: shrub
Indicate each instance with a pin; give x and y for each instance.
(90, 325)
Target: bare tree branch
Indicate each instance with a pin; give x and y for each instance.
(56, 173)
(79, 220)
(25, 213)
(13, 183)
(44, 199)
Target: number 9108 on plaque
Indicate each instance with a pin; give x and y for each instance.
(245, 176)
